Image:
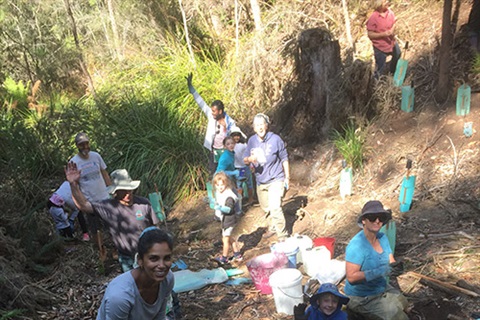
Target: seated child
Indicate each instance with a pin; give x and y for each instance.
(58, 202)
(325, 304)
(60, 217)
(225, 203)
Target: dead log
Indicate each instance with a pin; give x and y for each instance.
(443, 286)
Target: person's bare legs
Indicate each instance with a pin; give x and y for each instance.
(226, 245)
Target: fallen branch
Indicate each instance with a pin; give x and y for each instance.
(449, 234)
(243, 308)
(435, 137)
(460, 252)
(443, 286)
(464, 284)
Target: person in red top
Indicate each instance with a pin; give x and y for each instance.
(381, 31)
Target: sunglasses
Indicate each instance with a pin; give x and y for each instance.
(374, 217)
(218, 129)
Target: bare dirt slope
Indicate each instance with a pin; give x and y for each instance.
(438, 237)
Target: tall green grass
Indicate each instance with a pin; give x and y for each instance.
(155, 145)
(350, 142)
(142, 119)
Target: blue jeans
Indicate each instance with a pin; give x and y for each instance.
(381, 58)
(127, 263)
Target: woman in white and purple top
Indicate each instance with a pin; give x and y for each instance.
(267, 153)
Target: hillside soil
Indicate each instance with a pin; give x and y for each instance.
(438, 237)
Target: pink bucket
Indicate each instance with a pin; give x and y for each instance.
(263, 266)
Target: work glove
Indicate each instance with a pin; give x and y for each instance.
(381, 271)
(299, 312)
(189, 78)
(396, 268)
(224, 209)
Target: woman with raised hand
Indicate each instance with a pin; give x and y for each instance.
(143, 292)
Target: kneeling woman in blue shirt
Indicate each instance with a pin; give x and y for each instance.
(368, 258)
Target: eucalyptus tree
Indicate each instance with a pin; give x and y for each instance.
(36, 44)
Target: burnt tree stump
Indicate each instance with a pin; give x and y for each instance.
(306, 115)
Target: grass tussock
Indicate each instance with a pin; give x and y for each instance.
(350, 143)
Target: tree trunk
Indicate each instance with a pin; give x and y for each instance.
(237, 23)
(318, 65)
(187, 35)
(113, 23)
(256, 14)
(351, 48)
(443, 86)
(81, 61)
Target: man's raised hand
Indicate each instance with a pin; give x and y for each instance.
(189, 79)
(71, 172)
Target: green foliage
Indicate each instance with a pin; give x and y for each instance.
(11, 314)
(16, 93)
(350, 143)
(476, 63)
(31, 144)
(32, 37)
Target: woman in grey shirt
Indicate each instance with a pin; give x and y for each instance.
(142, 293)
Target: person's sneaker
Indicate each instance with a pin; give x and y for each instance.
(86, 237)
(237, 256)
(268, 234)
(221, 260)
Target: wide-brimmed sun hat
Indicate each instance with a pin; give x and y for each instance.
(121, 181)
(329, 288)
(374, 206)
(236, 130)
(81, 137)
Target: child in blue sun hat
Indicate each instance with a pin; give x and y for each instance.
(326, 304)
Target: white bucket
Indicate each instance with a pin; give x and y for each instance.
(287, 289)
(303, 242)
(290, 249)
(314, 259)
